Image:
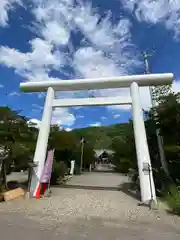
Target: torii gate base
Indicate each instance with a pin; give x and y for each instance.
(148, 194)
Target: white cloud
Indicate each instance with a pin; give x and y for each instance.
(119, 108)
(176, 86)
(34, 122)
(5, 7)
(61, 117)
(117, 115)
(49, 10)
(144, 97)
(12, 94)
(41, 95)
(33, 65)
(110, 51)
(77, 108)
(37, 108)
(79, 116)
(101, 33)
(103, 118)
(55, 33)
(161, 11)
(1, 86)
(96, 124)
(92, 63)
(110, 43)
(68, 129)
(106, 48)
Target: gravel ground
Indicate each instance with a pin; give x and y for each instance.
(86, 214)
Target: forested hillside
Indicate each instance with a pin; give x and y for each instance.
(101, 137)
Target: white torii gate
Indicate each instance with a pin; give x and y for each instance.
(142, 151)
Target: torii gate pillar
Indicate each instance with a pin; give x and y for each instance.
(41, 146)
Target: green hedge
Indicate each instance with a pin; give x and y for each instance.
(58, 172)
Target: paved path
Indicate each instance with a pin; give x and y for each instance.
(18, 176)
(96, 180)
(73, 213)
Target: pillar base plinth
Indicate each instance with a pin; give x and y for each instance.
(151, 204)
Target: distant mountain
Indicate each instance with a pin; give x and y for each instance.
(101, 137)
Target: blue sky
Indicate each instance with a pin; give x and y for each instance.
(66, 39)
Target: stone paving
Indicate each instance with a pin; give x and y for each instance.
(99, 212)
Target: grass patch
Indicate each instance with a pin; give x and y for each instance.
(173, 199)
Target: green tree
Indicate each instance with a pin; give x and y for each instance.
(124, 157)
(16, 137)
(168, 119)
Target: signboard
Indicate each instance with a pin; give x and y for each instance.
(72, 167)
(146, 168)
(46, 176)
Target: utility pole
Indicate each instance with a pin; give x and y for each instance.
(153, 102)
(82, 153)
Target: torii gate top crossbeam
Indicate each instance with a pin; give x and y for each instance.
(98, 83)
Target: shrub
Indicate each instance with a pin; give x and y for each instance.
(173, 199)
(1, 193)
(134, 179)
(161, 181)
(1, 189)
(123, 165)
(58, 172)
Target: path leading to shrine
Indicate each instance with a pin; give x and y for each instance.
(91, 206)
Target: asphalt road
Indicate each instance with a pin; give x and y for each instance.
(17, 226)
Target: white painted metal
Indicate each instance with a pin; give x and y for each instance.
(42, 141)
(98, 83)
(101, 101)
(142, 151)
(72, 167)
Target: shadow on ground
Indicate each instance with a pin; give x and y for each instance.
(125, 188)
(128, 190)
(89, 187)
(103, 171)
(15, 184)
